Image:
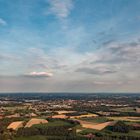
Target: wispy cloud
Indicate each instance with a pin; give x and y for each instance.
(60, 8)
(3, 22)
(117, 59)
(96, 71)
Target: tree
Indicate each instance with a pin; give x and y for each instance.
(121, 127)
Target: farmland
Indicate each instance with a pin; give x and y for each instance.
(77, 117)
(129, 119)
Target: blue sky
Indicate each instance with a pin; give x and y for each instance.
(69, 45)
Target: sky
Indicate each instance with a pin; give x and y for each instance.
(69, 45)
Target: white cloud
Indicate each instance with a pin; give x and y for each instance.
(60, 8)
(3, 22)
(40, 74)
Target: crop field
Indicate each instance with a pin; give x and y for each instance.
(12, 108)
(96, 126)
(105, 131)
(125, 109)
(130, 119)
(36, 121)
(95, 120)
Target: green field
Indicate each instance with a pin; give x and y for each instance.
(87, 131)
(96, 119)
(54, 123)
(49, 138)
(131, 133)
(31, 138)
(125, 119)
(107, 132)
(125, 109)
